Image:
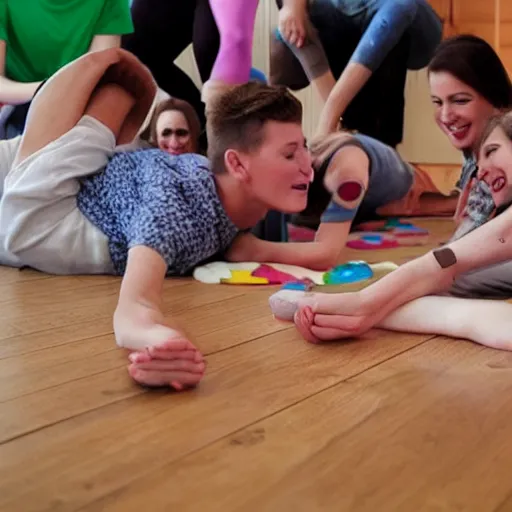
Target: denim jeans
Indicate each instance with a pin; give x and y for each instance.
(380, 24)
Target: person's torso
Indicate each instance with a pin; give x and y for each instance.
(176, 194)
(390, 177)
(44, 35)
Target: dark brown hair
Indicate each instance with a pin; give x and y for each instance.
(473, 61)
(186, 109)
(237, 117)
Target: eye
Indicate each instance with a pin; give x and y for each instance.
(489, 151)
(290, 156)
(462, 101)
(437, 102)
(181, 132)
(167, 132)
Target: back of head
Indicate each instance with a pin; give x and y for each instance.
(474, 62)
(236, 119)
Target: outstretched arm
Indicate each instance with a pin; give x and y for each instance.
(322, 254)
(162, 355)
(347, 179)
(340, 315)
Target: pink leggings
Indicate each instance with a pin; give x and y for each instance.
(235, 21)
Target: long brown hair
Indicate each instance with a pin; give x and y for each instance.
(178, 105)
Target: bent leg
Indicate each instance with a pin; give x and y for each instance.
(40, 222)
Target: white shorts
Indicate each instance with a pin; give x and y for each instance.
(40, 223)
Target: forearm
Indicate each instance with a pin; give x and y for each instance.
(312, 255)
(486, 245)
(351, 81)
(16, 93)
(143, 281)
(324, 85)
(104, 42)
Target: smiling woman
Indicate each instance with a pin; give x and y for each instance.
(468, 85)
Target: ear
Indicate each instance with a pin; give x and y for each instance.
(236, 165)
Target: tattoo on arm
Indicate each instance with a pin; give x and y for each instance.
(445, 257)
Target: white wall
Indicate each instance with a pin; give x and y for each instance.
(423, 141)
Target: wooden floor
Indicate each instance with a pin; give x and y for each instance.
(390, 422)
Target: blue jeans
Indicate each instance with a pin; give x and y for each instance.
(382, 23)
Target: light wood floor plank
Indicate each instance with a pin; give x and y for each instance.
(427, 430)
(243, 385)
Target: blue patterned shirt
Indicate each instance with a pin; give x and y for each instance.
(168, 203)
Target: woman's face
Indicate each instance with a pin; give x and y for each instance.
(460, 111)
(173, 133)
(495, 166)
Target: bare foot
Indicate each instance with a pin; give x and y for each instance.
(176, 363)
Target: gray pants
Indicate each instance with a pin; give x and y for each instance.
(494, 282)
(40, 223)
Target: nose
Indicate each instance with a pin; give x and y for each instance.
(306, 166)
(447, 114)
(174, 141)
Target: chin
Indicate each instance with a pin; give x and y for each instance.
(293, 207)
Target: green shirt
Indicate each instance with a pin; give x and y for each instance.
(44, 35)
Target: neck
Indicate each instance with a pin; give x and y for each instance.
(244, 211)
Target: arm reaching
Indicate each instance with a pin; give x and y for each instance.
(163, 357)
(138, 320)
(353, 314)
(322, 254)
(349, 167)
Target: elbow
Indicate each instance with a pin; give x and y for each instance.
(325, 260)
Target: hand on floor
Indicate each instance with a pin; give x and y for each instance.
(176, 363)
(162, 356)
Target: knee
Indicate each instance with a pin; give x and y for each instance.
(400, 12)
(237, 41)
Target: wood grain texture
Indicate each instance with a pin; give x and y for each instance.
(388, 422)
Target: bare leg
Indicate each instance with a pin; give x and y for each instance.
(482, 321)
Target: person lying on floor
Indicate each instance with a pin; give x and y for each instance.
(399, 300)
(72, 205)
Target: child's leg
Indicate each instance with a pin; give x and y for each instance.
(483, 321)
(486, 322)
